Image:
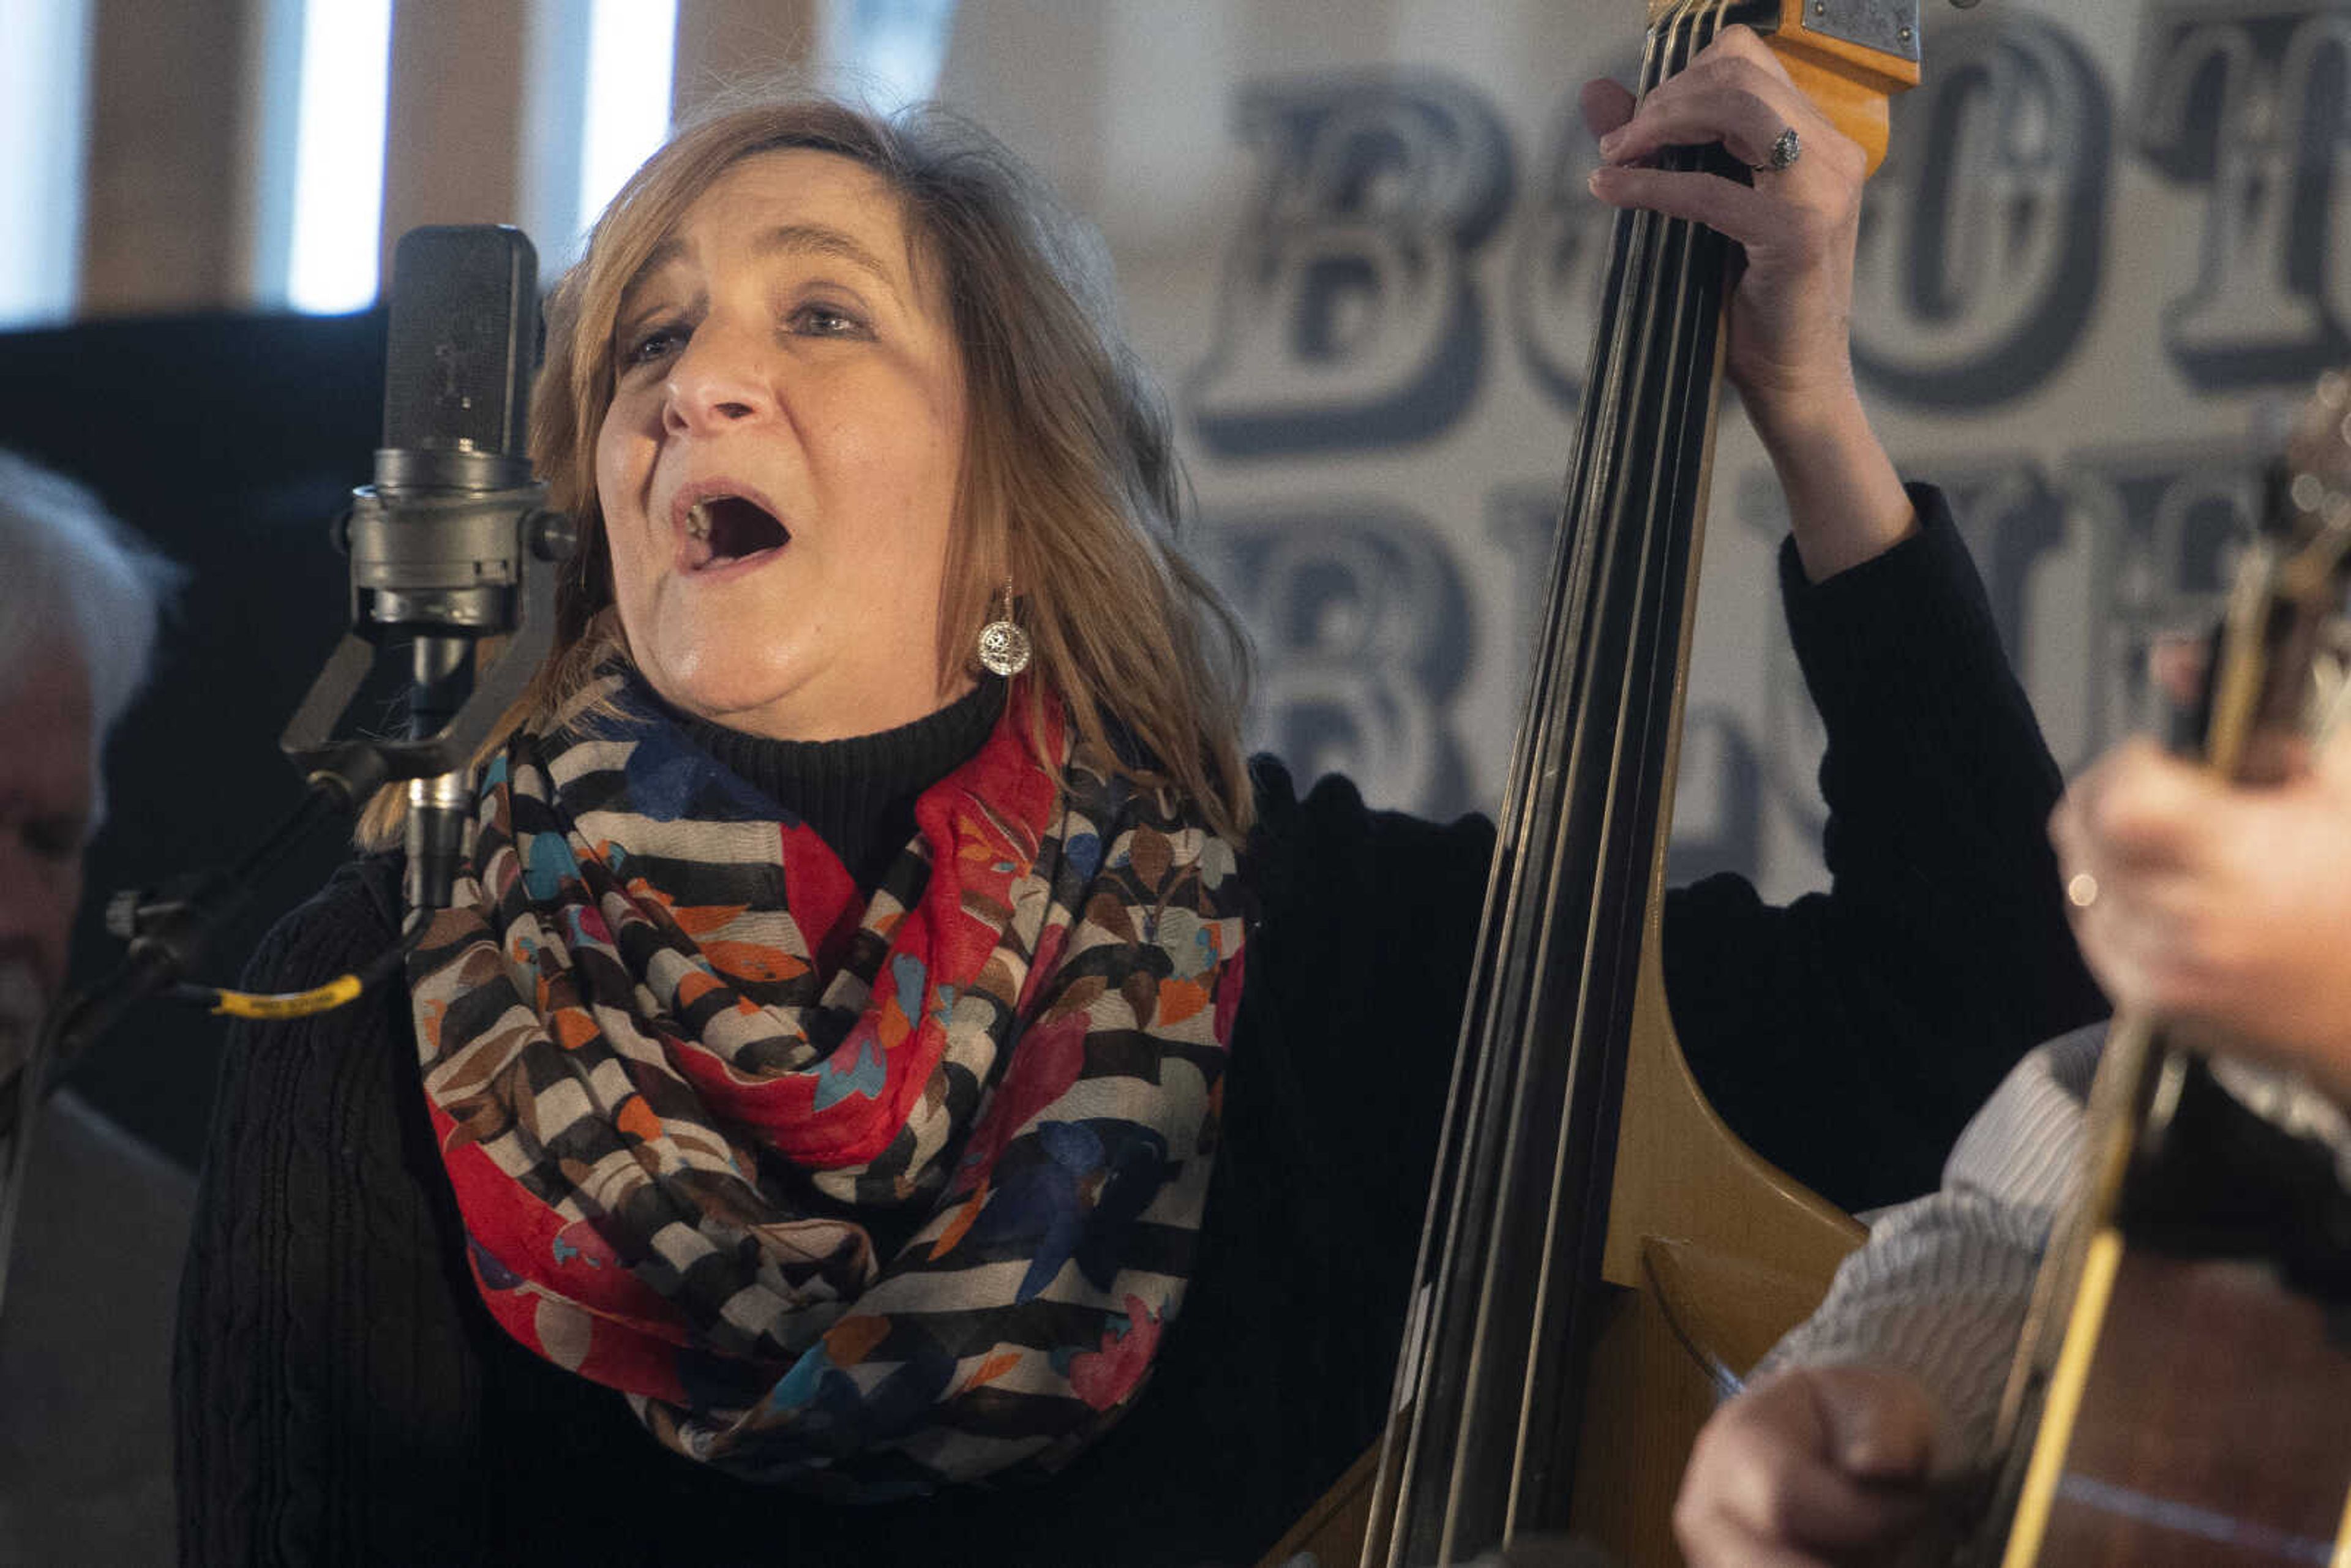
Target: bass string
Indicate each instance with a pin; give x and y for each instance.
(1526, 802)
(1627, 360)
(1634, 524)
(1436, 1335)
(1686, 316)
(1650, 374)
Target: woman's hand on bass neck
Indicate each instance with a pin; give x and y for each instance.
(1790, 354)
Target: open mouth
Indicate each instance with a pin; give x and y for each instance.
(723, 529)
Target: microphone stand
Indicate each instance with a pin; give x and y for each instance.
(167, 929)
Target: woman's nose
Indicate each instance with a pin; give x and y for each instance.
(719, 379)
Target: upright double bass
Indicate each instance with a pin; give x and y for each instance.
(1602, 1256)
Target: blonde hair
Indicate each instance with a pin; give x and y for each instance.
(1069, 490)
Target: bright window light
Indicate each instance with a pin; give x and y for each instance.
(42, 72)
(338, 155)
(631, 55)
(894, 48)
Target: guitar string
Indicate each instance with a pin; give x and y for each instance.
(2065, 1319)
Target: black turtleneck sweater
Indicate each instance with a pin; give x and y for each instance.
(859, 794)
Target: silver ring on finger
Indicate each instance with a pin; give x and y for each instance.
(1786, 148)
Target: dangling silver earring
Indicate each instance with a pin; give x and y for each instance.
(1003, 646)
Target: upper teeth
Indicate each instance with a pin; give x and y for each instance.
(697, 520)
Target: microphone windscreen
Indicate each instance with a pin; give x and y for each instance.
(464, 341)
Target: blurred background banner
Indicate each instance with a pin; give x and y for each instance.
(2106, 255)
(1354, 239)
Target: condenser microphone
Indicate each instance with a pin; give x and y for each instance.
(449, 544)
(432, 556)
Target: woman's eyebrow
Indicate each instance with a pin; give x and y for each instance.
(669, 250)
(817, 239)
(784, 239)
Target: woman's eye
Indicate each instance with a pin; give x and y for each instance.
(652, 343)
(826, 322)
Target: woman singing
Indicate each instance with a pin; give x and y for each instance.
(893, 1084)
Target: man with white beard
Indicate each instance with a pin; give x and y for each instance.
(84, 1473)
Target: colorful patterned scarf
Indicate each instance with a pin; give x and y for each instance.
(856, 1195)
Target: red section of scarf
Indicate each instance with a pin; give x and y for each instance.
(983, 824)
(561, 1288)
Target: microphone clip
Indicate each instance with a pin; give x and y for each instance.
(511, 592)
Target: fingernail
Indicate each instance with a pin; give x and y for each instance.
(1610, 142)
(1591, 181)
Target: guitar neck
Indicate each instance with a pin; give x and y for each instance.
(2183, 1394)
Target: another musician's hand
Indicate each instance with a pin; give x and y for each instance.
(2216, 906)
(1792, 307)
(1812, 1466)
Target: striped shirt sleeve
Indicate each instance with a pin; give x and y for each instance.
(1941, 1289)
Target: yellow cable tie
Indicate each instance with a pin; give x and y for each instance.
(289, 1004)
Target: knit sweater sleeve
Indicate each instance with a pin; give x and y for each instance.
(328, 1394)
(1940, 954)
(1941, 1289)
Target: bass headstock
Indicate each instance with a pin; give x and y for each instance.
(1849, 57)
